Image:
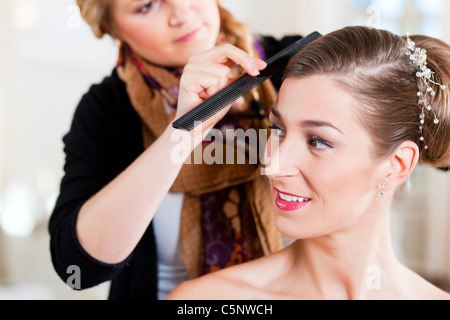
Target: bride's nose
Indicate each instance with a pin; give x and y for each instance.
(280, 160)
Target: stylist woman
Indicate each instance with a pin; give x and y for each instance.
(128, 214)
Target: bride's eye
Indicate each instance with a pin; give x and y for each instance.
(318, 143)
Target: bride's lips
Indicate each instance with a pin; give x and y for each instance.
(289, 202)
(188, 36)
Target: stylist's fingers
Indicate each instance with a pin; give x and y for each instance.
(199, 82)
(230, 55)
(208, 72)
(204, 78)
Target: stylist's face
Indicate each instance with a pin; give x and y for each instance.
(167, 32)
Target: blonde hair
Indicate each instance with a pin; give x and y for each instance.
(97, 15)
(237, 33)
(372, 66)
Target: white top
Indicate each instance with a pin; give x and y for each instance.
(166, 224)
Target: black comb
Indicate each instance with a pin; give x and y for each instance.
(241, 86)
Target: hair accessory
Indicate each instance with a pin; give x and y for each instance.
(419, 58)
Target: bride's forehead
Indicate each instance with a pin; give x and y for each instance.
(313, 94)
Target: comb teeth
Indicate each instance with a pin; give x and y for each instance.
(218, 102)
(241, 86)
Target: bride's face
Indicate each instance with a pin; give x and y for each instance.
(326, 178)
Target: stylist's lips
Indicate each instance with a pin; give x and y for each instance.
(290, 202)
(188, 36)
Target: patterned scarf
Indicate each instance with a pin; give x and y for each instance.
(226, 217)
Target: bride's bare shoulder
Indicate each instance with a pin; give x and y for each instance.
(203, 288)
(215, 286)
(428, 291)
(418, 288)
(241, 282)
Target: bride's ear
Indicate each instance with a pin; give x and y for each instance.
(401, 164)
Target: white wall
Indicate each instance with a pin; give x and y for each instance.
(285, 17)
(49, 58)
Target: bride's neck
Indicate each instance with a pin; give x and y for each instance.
(350, 263)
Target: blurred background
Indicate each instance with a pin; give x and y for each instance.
(49, 58)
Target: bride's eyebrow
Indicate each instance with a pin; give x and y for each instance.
(307, 123)
(276, 113)
(318, 123)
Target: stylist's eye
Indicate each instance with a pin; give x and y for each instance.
(318, 143)
(146, 7)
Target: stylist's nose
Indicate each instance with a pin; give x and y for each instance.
(180, 12)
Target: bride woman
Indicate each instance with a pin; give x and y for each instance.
(358, 110)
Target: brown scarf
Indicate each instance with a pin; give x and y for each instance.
(237, 195)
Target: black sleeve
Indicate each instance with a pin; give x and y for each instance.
(104, 138)
(272, 46)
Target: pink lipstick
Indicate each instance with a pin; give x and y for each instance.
(289, 202)
(188, 36)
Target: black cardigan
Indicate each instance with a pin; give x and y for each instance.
(104, 139)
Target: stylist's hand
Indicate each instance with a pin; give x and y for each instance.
(207, 73)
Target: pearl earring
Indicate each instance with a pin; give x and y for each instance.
(383, 188)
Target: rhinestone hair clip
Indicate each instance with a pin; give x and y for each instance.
(419, 58)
